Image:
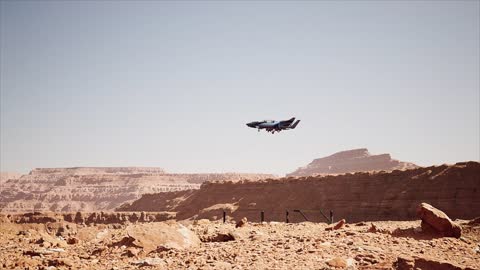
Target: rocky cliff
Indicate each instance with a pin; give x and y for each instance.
(91, 189)
(356, 197)
(357, 160)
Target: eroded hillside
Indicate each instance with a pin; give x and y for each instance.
(92, 189)
(356, 197)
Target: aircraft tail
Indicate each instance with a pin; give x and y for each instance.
(295, 124)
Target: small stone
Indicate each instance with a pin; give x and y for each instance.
(241, 223)
(150, 262)
(337, 262)
(339, 224)
(73, 241)
(131, 252)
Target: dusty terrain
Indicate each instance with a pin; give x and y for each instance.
(204, 244)
(96, 188)
(357, 197)
(356, 160)
(145, 233)
(383, 220)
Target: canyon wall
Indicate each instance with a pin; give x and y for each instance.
(93, 189)
(364, 196)
(356, 160)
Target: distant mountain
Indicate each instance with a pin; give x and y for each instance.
(356, 160)
(97, 188)
(4, 176)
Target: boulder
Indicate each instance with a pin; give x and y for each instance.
(337, 262)
(436, 220)
(159, 236)
(404, 263)
(341, 263)
(426, 263)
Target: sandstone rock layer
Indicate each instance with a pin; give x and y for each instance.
(91, 189)
(356, 197)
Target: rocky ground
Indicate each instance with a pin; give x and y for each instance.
(204, 244)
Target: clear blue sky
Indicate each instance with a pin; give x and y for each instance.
(172, 84)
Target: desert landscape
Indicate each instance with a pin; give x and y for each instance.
(243, 135)
(351, 210)
(96, 189)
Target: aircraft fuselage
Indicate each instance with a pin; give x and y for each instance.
(274, 126)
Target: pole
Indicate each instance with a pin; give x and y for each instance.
(331, 216)
(262, 216)
(224, 216)
(286, 215)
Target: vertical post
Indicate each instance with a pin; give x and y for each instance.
(286, 216)
(331, 216)
(262, 216)
(224, 216)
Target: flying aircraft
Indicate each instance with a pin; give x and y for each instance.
(274, 126)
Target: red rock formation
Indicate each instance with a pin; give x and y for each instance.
(356, 197)
(91, 189)
(357, 160)
(437, 220)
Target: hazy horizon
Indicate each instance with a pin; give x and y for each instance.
(172, 84)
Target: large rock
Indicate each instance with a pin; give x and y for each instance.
(433, 218)
(159, 236)
(425, 263)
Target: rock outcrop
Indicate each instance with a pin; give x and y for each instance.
(356, 197)
(437, 221)
(160, 236)
(91, 189)
(357, 160)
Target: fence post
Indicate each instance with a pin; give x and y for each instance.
(262, 216)
(286, 216)
(224, 216)
(331, 216)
